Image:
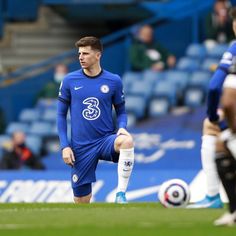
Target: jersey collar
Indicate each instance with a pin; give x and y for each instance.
(92, 77)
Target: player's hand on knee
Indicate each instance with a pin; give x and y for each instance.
(210, 128)
(68, 156)
(123, 131)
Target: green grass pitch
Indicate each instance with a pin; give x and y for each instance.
(107, 219)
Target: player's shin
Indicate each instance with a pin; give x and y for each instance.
(226, 169)
(208, 164)
(125, 166)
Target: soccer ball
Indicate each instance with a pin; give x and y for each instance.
(174, 193)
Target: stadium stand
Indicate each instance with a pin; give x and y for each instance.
(197, 51)
(188, 64)
(216, 51)
(167, 136)
(136, 105)
(158, 106)
(29, 115)
(129, 78)
(16, 126)
(148, 94)
(166, 89)
(194, 96)
(35, 143)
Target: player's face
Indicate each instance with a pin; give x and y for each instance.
(88, 57)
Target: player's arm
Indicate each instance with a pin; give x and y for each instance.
(119, 104)
(121, 118)
(214, 94)
(216, 83)
(62, 109)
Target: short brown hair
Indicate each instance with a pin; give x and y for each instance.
(232, 13)
(91, 41)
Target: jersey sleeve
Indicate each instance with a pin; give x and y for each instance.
(228, 58)
(118, 97)
(62, 109)
(64, 98)
(64, 91)
(217, 80)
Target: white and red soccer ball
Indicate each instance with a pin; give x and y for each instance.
(174, 193)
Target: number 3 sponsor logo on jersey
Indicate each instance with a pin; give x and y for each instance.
(92, 112)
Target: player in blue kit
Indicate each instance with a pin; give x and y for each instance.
(91, 93)
(223, 86)
(223, 82)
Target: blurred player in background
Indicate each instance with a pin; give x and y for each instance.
(90, 93)
(224, 77)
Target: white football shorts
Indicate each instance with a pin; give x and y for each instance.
(230, 81)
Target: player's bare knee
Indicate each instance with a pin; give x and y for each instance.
(85, 199)
(127, 142)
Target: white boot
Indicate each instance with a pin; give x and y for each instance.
(227, 219)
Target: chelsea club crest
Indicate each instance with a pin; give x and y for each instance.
(104, 88)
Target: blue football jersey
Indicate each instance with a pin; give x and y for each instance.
(226, 66)
(90, 101)
(228, 60)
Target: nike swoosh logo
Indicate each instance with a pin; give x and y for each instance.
(203, 205)
(134, 194)
(77, 88)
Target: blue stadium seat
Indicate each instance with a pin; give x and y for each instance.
(52, 145)
(165, 89)
(136, 105)
(49, 115)
(209, 64)
(217, 50)
(132, 119)
(34, 142)
(41, 128)
(142, 88)
(55, 131)
(29, 115)
(178, 78)
(4, 140)
(158, 106)
(129, 78)
(200, 78)
(46, 103)
(194, 96)
(197, 51)
(17, 126)
(152, 76)
(188, 64)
